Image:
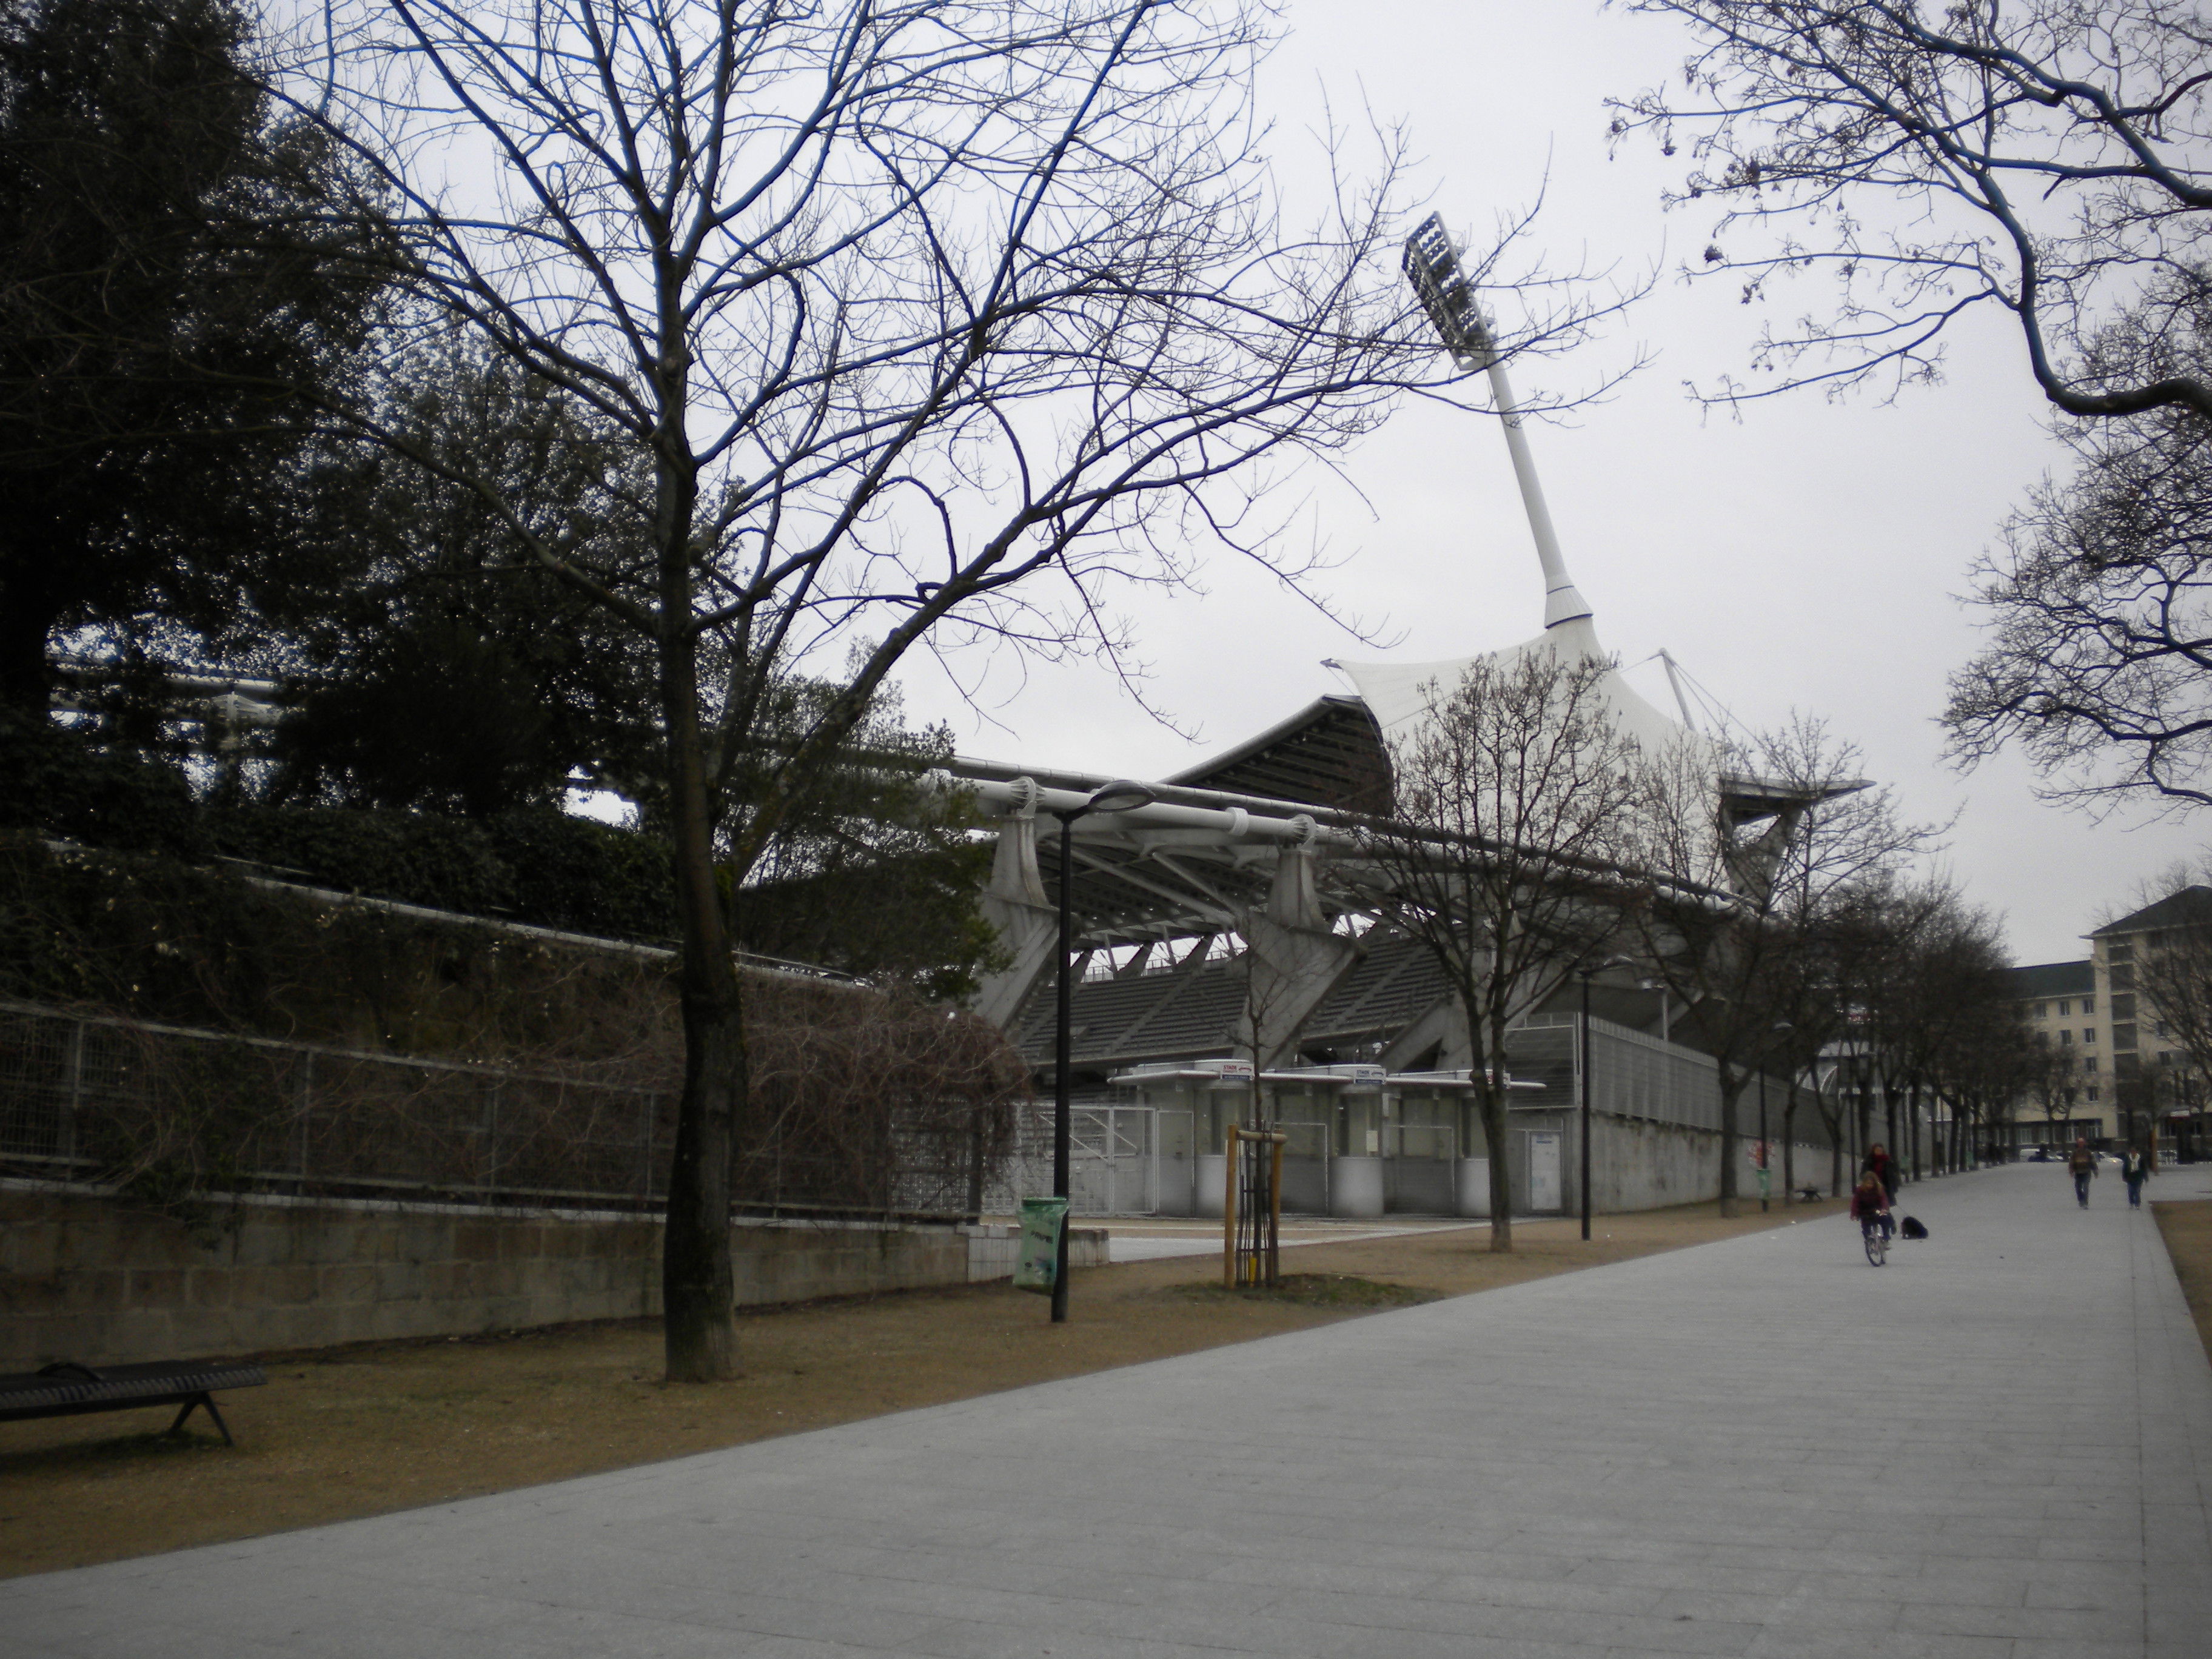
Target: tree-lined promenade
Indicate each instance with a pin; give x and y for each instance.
(589, 393)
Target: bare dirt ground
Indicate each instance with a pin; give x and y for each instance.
(2186, 1226)
(360, 1431)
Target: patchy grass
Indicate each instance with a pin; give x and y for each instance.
(347, 1432)
(2186, 1226)
(1346, 1290)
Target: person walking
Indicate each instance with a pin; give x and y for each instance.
(1884, 1169)
(2082, 1164)
(2134, 1166)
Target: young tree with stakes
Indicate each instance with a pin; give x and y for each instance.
(909, 310)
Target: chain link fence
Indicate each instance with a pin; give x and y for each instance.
(857, 1118)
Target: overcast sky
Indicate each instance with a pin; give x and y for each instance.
(1801, 558)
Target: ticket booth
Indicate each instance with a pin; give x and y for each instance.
(1361, 1142)
(1193, 1104)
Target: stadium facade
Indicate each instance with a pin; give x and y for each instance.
(1234, 923)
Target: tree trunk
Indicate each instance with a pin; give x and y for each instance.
(697, 1283)
(1731, 1086)
(1789, 1143)
(698, 1286)
(1917, 1122)
(1501, 1172)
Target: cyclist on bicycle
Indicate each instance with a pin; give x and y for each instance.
(1871, 1202)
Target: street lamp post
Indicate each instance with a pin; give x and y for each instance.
(1118, 797)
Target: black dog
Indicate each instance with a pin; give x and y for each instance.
(1912, 1228)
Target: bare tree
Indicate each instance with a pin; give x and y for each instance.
(1501, 852)
(2044, 159)
(1746, 963)
(1995, 1062)
(1944, 1018)
(2098, 665)
(905, 309)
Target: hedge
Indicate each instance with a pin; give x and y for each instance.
(535, 864)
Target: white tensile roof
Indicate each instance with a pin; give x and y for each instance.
(1398, 694)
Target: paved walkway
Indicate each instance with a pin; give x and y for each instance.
(1999, 1446)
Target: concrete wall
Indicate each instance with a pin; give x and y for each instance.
(85, 1278)
(1640, 1165)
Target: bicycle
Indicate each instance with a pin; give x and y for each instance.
(1877, 1240)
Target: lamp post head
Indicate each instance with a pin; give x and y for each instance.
(1121, 796)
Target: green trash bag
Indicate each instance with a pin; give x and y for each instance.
(1038, 1265)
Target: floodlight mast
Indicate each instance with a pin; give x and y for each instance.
(1432, 264)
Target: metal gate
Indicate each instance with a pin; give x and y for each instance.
(1420, 1168)
(1114, 1160)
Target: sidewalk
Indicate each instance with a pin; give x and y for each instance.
(1999, 1445)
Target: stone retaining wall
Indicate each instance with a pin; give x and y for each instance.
(90, 1278)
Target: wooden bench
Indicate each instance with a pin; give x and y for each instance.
(69, 1390)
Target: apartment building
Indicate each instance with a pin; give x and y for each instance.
(2063, 1003)
(2152, 1081)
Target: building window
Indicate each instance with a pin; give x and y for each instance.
(2122, 976)
(2116, 953)
(2065, 1040)
(2042, 1009)
(2089, 1034)
(2123, 1037)
(2088, 1005)
(2089, 1064)
(2092, 1100)
(2124, 1008)
(2065, 1009)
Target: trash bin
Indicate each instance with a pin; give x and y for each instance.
(1038, 1266)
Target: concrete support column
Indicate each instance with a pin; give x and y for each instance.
(1016, 904)
(1294, 961)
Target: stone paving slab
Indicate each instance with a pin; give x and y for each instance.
(1998, 1447)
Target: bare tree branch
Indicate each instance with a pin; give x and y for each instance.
(2048, 158)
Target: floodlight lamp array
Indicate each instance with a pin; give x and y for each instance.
(1431, 263)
